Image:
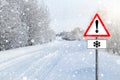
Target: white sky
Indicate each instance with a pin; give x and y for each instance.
(68, 14)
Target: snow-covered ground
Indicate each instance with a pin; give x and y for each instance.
(58, 60)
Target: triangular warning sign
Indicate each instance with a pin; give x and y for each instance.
(96, 28)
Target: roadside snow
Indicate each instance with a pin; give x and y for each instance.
(59, 60)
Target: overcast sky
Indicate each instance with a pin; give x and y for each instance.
(68, 14)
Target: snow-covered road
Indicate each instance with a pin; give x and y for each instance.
(58, 60)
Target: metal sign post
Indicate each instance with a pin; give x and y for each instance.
(96, 44)
(96, 64)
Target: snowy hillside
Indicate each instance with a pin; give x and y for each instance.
(59, 60)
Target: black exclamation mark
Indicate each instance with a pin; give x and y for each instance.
(96, 22)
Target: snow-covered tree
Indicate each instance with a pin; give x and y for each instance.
(75, 34)
(111, 17)
(22, 23)
(37, 19)
(13, 33)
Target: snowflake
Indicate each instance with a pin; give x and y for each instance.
(1, 16)
(100, 2)
(115, 44)
(32, 40)
(26, 0)
(73, 75)
(24, 78)
(90, 53)
(83, 59)
(21, 32)
(102, 75)
(76, 72)
(60, 70)
(28, 9)
(109, 21)
(79, 45)
(0, 10)
(6, 41)
(23, 14)
(12, 10)
(118, 62)
(20, 42)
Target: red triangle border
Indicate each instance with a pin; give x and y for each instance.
(96, 15)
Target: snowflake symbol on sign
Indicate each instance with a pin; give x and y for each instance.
(96, 44)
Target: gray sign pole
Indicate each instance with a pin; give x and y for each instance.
(96, 64)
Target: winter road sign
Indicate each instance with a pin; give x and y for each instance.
(96, 44)
(96, 28)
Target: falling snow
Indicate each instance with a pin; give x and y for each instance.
(36, 54)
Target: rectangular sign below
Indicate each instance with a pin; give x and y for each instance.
(96, 44)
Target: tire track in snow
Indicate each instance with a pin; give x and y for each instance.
(41, 67)
(9, 63)
(15, 65)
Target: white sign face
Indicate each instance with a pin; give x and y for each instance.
(96, 44)
(92, 30)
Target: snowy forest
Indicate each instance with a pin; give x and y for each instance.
(111, 19)
(24, 23)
